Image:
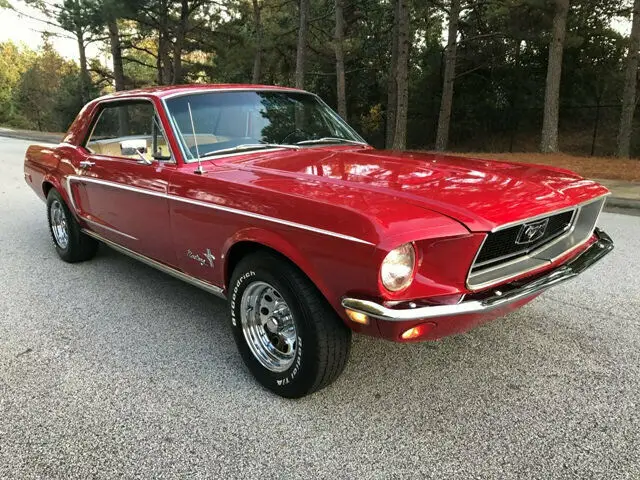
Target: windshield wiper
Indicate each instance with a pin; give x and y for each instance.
(330, 140)
(248, 146)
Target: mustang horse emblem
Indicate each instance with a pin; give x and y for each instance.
(206, 257)
(532, 231)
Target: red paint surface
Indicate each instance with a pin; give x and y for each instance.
(443, 204)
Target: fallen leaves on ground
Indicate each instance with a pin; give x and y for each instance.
(589, 167)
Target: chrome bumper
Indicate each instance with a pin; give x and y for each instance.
(502, 296)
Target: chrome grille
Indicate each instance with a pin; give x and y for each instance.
(503, 244)
(501, 257)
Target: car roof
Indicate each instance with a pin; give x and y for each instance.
(171, 90)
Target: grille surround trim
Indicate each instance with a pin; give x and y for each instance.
(535, 259)
(526, 250)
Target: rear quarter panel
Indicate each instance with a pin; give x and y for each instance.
(40, 165)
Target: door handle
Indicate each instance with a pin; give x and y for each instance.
(87, 164)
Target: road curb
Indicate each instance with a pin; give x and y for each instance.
(32, 136)
(623, 203)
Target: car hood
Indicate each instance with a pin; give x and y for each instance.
(481, 194)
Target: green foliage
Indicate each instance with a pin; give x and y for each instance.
(66, 101)
(500, 72)
(38, 89)
(15, 60)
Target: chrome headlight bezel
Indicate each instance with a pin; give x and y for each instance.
(397, 270)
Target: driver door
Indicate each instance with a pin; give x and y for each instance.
(125, 176)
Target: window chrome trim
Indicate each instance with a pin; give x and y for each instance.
(189, 158)
(209, 287)
(301, 226)
(206, 89)
(125, 99)
(531, 256)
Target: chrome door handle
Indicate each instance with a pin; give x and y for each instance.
(87, 164)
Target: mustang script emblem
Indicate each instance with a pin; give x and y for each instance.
(530, 232)
(203, 259)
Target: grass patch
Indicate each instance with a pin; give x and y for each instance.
(588, 167)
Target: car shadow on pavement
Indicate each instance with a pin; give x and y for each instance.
(377, 368)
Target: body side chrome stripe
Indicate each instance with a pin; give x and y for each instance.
(118, 232)
(270, 219)
(245, 213)
(209, 287)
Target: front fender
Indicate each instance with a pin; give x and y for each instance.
(280, 244)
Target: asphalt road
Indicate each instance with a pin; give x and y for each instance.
(111, 369)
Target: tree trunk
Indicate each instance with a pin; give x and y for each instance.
(549, 142)
(159, 66)
(392, 86)
(515, 98)
(163, 64)
(116, 54)
(402, 74)
(167, 64)
(118, 71)
(183, 25)
(302, 43)
(84, 70)
(339, 48)
(630, 87)
(446, 103)
(594, 138)
(257, 59)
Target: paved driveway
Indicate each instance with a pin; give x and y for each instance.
(111, 369)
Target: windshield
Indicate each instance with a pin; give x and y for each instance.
(239, 121)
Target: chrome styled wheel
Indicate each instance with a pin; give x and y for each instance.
(268, 326)
(59, 226)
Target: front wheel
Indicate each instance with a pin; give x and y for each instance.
(287, 334)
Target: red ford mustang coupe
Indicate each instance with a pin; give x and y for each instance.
(265, 197)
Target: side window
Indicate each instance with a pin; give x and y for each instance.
(129, 130)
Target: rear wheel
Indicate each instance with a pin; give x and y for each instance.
(289, 337)
(71, 244)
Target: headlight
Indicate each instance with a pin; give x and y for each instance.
(397, 268)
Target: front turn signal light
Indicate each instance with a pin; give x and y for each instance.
(358, 317)
(418, 331)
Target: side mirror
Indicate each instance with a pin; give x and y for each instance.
(143, 159)
(133, 147)
(161, 158)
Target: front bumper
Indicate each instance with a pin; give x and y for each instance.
(510, 295)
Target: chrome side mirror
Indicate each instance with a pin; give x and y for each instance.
(143, 159)
(135, 147)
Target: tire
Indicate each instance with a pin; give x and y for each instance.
(321, 341)
(71, 244)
